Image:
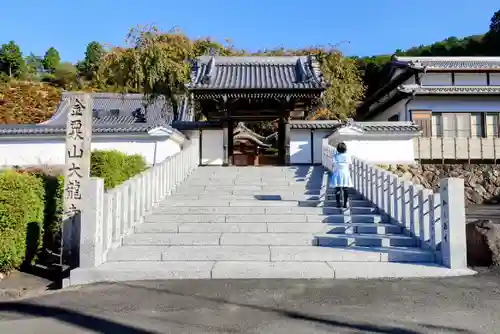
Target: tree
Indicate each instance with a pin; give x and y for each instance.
(93, 56)
(155, 63)
(11, 59)
(34, 64)
(51, 60)
(495, 23)
(345, 85)
(65, 76)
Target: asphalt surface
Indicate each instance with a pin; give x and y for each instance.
(451, 305)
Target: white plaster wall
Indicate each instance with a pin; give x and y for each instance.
(318, 144)
(51, 151)
(300, 146)
(382, 151)
(396, 109)
(436, 79)
(471, 79)
(212, 150)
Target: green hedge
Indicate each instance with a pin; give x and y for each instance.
(31, 199)
(22, 202)
(116, 167)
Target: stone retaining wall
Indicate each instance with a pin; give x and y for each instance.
(482, 181)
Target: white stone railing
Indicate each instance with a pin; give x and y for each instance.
(108, 216)
(437, 220)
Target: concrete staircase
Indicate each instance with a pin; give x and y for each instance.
(263, 222)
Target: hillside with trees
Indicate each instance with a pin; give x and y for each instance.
(158, 63)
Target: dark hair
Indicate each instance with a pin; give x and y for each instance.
(341, 147)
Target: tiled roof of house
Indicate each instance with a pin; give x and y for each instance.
(452, 63)
(300, 124)
(112, 113)
(256, 72)
(443, 90)
(387, 127)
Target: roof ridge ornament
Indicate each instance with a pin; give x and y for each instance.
(209, 70)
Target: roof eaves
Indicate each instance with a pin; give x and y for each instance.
(387, 88)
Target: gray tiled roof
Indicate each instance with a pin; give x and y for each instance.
(443, 90)
(300, 124)
(387, 127)
(287, 72)
(452, 63)
(112, 113)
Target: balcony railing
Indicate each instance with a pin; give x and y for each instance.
(432, 148)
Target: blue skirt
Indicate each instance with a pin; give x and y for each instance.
(341, 178)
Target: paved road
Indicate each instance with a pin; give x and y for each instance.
(453, 305)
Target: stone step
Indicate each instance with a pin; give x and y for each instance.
(236, 239)
(269, 253)
(164, 210)
(366, 240)
(338, 228)
(256, 218)
(203, 193)
(174, 202)
(136, 270)
(288, 196)
(255, 183)
(351, 254)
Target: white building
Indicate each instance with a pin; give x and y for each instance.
(455, 101)
(120, 122)
(447, 96)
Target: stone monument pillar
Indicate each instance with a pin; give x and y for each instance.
(76, 172)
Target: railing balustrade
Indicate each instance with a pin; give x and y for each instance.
(437, 220)
(109, 216)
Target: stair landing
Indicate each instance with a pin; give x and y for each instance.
(263, 222)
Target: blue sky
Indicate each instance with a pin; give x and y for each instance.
(370, 27)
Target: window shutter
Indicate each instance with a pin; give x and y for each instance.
(423, 118)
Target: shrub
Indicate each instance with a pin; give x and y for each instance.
(134, 164)
(115, 167)
(21, 218)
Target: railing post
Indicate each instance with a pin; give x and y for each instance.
(389, 198)
(132, 196)
(366, 181)
(424, 215)
(164, 171)
(378, 187)
(108, 221)
(168, 173)
(117, 217)
(405, 204)
(383, 190)
(414, 212)
(156, 184)
(144, 191)
(396, 200)
(125, 207)
(138, 199)
(92, 224)
(453, 244)
(435, 220)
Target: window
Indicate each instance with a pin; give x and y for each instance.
(457, 125)
(437, 127)
(476, 125)
(492, 125)
(423, 118)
